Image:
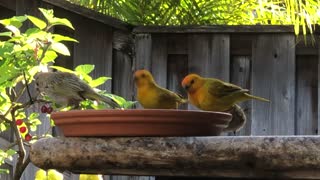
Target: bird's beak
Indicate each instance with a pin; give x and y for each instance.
(135, 79)
(186, 87)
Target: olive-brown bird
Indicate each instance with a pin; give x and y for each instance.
(212, 94)
(152, 96)
(238, 119)
(68, 89)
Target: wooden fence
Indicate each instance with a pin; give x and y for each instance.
(269, 60)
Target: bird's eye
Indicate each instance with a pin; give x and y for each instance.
(192, 81)
(143, 75)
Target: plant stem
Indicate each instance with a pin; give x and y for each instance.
(27, 86)
(21, 152)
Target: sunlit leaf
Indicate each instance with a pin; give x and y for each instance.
(49, 57)
(62, 69)
(37, 22)
(58, 38)
(84, 68)
(98, 81)
(60, 48)
(8, 34)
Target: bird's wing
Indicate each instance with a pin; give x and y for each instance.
(219, 88)
(67, 82)
(167, 96)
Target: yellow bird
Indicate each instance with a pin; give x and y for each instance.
(212, 94)
(152, 96)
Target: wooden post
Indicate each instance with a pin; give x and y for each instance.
(273, 77)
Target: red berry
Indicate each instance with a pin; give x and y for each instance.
(28, 137)
(49, 110)
(23, 129)
(44, 109)
(19, 122)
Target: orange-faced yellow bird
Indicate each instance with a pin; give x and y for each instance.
(212, 94)
(152, 96)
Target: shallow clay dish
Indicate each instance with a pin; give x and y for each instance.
(134, 122)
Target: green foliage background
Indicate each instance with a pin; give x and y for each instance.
(210, 12)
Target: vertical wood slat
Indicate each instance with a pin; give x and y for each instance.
(306, 95)
(177, 70)
(159, 59)
(94, 47)
(143, 50)
(122, 84)
(273, 77)
(218, 65)
(209, 55)
(240, 75)
(143, 46)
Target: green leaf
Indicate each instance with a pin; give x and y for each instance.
(47, 13)
(4, 171)
(62, 69)
(32, 31)
(37, 22)
(9, 34)
(98, 81)
(13, 29)
(50, 56)
(61, 21)
(58, 38)
(84, 68)
(3, 127)
(11, 152)
(60, 48)
(15, 21)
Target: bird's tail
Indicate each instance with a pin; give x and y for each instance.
(110, 101)
(257, 98)
(105, 99)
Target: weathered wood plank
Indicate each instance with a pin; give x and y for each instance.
(306, 95)
(177, 43)
(94, 47)
(159, 59)
(198, 53)
(209, 55)
(241, 44)
(143, 46)
(8, 4)
(217, 29)
(240, 75)
(270, 157)
(273, 77)
(177, 70)
(122, 83)
(88, 13)
(218, 64)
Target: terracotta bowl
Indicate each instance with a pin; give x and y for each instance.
(134, 122)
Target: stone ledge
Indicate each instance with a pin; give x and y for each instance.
(222, 156)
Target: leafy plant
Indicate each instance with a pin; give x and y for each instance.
(211, 12)
(22, 55)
